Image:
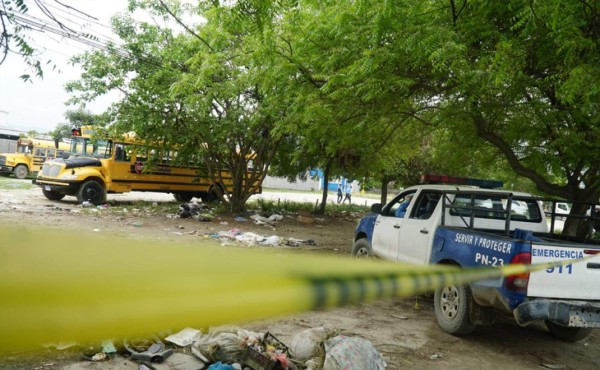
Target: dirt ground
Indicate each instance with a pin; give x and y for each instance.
(403, 331)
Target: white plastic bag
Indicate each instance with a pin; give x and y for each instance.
(306, 343)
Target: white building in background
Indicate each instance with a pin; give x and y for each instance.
(314, 182)
(310, 184)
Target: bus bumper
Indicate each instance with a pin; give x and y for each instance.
(60, 187)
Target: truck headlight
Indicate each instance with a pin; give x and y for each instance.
(68, 177)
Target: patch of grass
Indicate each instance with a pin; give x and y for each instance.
(271, 206)
(7, 183)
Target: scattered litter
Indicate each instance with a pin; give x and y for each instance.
(240, 219)
(307, 343)
(292, 242)
(101, 356)
(225, 344)
(351, 353)
(86, 204)
(266, 354)
(97, 230)
(222, 366)
(252, 238)
(137, 223)
(399, 317)
(191, 210)
(435, 356)
(108, 346)
(553, 366)
(102, 206)
(155, 352)
(224, 223)
(260, 220)
(185, 337)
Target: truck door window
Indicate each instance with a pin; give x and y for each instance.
(425, 205)
(394, 208)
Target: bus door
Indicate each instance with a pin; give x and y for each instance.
(120, 167)
(39, 157)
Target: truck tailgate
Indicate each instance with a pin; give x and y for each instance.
(579, 280)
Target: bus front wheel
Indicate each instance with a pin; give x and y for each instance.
(21, 171)
(53, 195)
(91, 191)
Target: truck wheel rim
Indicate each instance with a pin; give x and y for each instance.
(449, 302)
(362, 252)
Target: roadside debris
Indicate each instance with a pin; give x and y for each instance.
(249, 238)
(271, 220)
(351, 353)
(185, 337)
(154, 352)
(197, 211)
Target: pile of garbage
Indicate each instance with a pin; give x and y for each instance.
(235, 235)
(196, 211)
(234, 348)
(312, 349)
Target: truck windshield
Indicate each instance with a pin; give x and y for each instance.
(486, 206)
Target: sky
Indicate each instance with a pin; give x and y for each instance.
(40, 105)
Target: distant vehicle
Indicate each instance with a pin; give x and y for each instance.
(562, 208)
(29, 156)
(101, 165)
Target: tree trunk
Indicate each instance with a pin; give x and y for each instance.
(384, 189)
(321, 209)
(576, 227)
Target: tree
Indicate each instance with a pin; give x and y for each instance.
(333, 69)
(18, 25)
(203, 98)
(524, 79)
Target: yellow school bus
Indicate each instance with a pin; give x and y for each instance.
(30, 156)
(99, 166)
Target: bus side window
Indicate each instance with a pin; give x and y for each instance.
(51, 153)
(39, 152)
(119, 152)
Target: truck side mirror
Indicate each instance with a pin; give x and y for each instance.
(376, 207)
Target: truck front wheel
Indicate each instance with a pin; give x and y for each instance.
(21, 171)
(567, 333)
(53, 195)
(452, 308)
(91, 191)
(361, 248)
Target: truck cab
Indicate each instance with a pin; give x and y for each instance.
(394, 238)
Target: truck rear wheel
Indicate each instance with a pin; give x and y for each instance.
(91, 191)
(361, 248)
(452, 309)
(567, 333)
(21, 171)
(53, 195)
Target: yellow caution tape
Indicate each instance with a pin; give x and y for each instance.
(68, 286)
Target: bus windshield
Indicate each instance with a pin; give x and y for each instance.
(81, 146)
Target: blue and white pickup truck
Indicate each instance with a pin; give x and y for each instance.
(470, 227)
